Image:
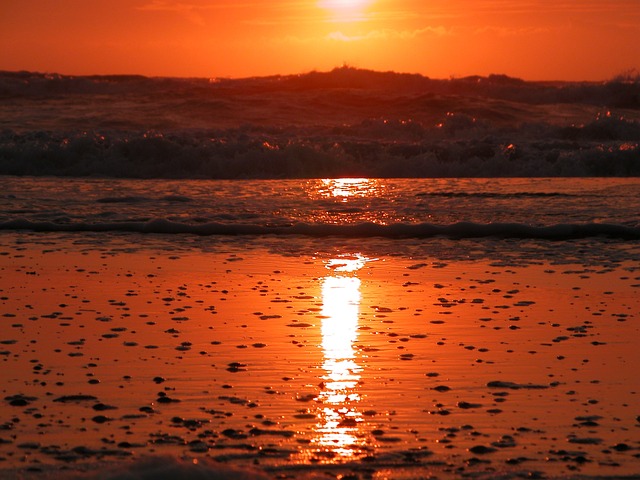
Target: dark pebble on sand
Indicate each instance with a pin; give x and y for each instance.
(19, 400)
(101, 419)
(442, 388)
(74, 398)
(29, 446)
(166, 400)
(235, 367)
(348, 422)
(481, 449)
(234, 434)
(621, 447)
(198, 446)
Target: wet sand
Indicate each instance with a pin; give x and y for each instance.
(315, 367)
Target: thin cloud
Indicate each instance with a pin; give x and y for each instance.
(192, 12)
(254, 13)
(509, 31)
(387, 34)
(169, 6)
(574, 7)
(550, 8)
(173, 6)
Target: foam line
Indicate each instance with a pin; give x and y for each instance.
(362, 230)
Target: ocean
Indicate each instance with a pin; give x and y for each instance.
(348, 274)
(343, 123)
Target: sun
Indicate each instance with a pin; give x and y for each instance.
(346, 10)
(343, 4)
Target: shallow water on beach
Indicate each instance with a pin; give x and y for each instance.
(336, 202)
(321, 364)
(338, 328)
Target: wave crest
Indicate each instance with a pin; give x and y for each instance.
(605, 147)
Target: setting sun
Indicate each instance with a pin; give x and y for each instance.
(344, 4)
(345, 10)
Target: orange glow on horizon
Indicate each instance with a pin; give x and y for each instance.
(592, 40)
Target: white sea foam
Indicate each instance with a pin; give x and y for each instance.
(531, 151)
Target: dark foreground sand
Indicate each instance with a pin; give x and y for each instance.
(345, 367)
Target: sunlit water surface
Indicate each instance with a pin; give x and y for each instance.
(383, 357)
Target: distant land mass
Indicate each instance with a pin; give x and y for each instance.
(622, 91)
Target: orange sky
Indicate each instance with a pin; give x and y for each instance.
(531, 39)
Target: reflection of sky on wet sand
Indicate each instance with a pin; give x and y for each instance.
(339, 418)
(356, 383)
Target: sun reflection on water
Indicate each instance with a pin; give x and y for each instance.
(345, 188)
(337, 430)
(348, 200)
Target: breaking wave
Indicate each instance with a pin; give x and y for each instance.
(346, 122)
(292, 153)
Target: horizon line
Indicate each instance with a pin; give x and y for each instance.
(632, 73)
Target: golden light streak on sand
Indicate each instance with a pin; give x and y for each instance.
(337, 430)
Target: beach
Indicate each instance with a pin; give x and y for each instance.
(338, 275)
(315, 365)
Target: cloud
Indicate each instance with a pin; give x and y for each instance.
(283, 12)
(572, 7)
(188, 10)
(510, 31)
(178, 6)
(388, 34)
(172, 6)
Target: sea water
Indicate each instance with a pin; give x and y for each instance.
(241, 270)
(438, 217)
(379, 328)
(343, 123)
(322, 154)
